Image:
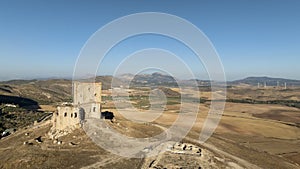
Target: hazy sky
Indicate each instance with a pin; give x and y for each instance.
(253, 37)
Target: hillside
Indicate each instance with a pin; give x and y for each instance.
(41, 91)
(49, 91)
(154, 79)
(268, 80)
(53, 91)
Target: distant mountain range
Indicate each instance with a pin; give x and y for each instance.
(51, 91)
(154, 79)
(159, 79)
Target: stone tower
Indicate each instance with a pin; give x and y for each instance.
(87, 96)
(86, 104)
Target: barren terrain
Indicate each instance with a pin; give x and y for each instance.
(249, 135)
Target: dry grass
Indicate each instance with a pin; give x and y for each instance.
(263, 134)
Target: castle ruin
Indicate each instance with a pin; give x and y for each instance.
(86, 104)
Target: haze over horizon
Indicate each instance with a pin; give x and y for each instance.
(253, 38)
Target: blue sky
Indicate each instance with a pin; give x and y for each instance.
(40, 39)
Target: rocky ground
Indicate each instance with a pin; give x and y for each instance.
(249, 135)
(33, 148)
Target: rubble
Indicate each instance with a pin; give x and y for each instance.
(185, 148)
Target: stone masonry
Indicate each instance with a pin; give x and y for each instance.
(86, 104)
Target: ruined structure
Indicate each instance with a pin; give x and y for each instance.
(88, 97)
(67, 117)
(86, 104)
(185, 148)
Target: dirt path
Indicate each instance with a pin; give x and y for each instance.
(243, 162)
(104, 161)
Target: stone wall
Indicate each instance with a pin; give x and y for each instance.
(88, 96)
(86, 104)
(66, 117)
